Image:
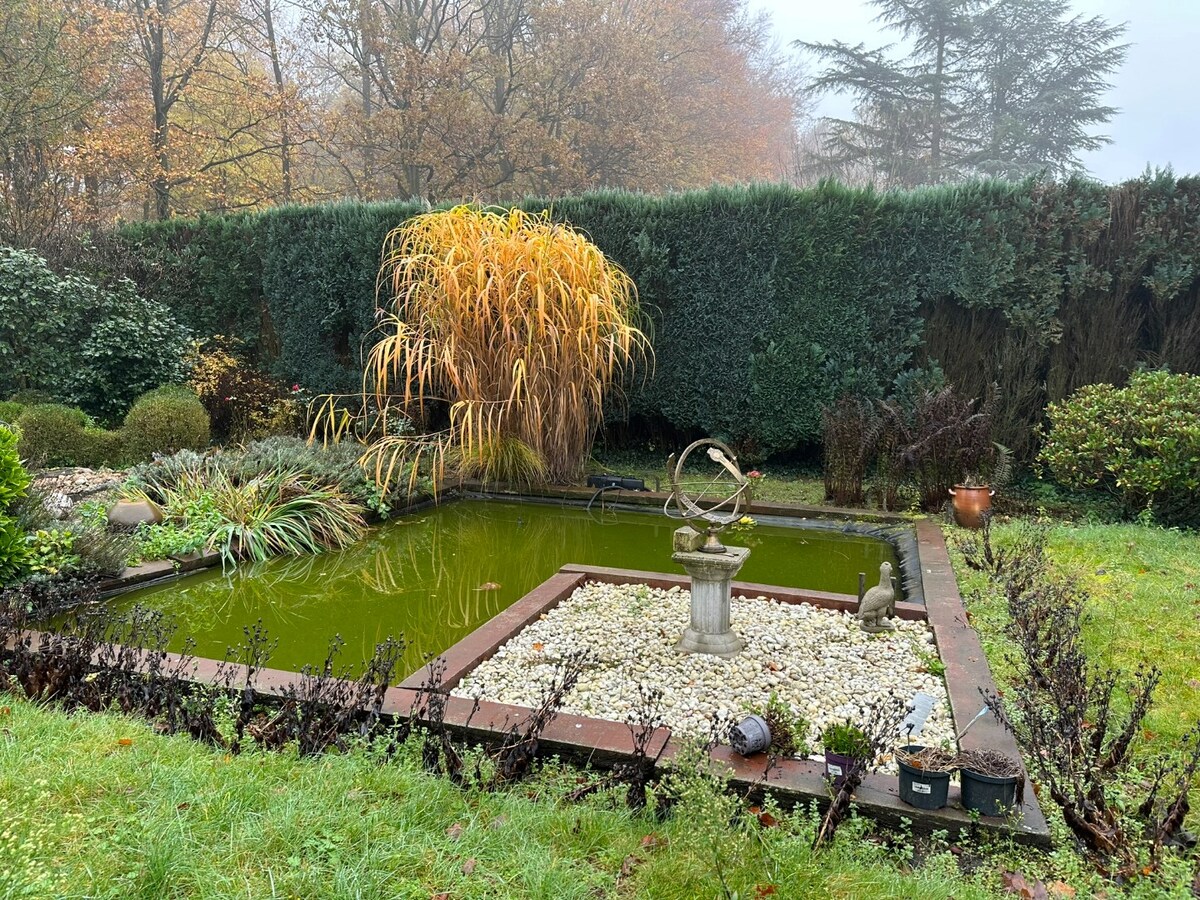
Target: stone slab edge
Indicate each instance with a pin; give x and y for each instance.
(658, 498)
(967, 669)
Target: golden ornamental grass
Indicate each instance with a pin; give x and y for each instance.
(520, 324)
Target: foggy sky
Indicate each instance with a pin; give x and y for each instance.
(1156, 90)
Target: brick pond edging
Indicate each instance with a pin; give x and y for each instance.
(599, 740)
(604, 742)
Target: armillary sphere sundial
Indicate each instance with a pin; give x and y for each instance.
(712, 505)
(708, 505)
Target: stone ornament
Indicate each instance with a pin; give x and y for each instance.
(879, 603)
(709, 506)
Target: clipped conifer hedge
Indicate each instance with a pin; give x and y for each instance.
(768, 301)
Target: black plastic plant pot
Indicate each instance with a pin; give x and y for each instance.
(922, 789)
(988, 795)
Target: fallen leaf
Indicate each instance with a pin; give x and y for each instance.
(765, 890)
(5, 710)
(538, 646)
(124, 742)
(1061, 889)
(454, 832)
(184, 805)
(765, 819)
(443, 895)
(628, 865)
(1016, 883)
(498, 822)
(653, 842)
(468, 867)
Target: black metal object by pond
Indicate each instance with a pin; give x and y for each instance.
(620, 482)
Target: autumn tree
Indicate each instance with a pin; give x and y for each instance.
(55, 69)
(151, 108)
(499, 98)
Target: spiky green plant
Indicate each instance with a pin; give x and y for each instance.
(281, 513)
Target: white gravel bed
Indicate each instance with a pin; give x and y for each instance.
(817, 660)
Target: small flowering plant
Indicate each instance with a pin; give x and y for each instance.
(755, 478)
(745, 523)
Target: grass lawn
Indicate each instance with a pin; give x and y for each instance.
(791, 484)
(101, 806)
(1143, 585)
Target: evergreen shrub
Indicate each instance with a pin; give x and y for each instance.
(14, 482)
(52, 434)
(164, 421)
(769, 302)
(1140, 442)
(9, 411)
(72, 340)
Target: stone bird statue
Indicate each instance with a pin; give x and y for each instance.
(878, 603)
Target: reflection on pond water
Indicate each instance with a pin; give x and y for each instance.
(436, 575)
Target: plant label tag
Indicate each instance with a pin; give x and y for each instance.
(920, 787)
(920, 706)
(832, 769)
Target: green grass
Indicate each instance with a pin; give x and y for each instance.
(783, 482)
(101, 806)
(1143, 585)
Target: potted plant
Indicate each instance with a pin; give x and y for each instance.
(992, 783)
(844, 745)
(972, 497)
(925, 775)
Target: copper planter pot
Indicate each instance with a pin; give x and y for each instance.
(970, 503)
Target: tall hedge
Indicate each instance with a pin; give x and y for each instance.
(767, 301)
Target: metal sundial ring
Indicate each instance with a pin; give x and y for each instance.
(699, 511)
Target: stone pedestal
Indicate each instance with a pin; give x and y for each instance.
(709, 631)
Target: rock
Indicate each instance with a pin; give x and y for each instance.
(132, 513)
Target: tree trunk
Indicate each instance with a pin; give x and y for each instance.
(935, 141)
(160, 184)
(285, 146)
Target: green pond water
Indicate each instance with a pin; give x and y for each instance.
(431, 576)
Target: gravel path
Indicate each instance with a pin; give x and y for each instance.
(817, 660)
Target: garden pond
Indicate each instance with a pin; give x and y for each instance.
(436, 575)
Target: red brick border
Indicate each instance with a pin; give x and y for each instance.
(599, 740)
(604, 742)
